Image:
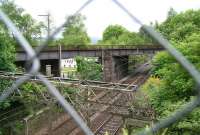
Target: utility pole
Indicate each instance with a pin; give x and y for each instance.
(48, 24)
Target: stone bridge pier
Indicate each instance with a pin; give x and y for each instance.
(114, 67)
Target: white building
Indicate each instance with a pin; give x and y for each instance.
(68, 63)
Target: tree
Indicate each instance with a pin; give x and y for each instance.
(7, 51)
(29, 28)
(171, 13)
(117, 34)
(187, 42)
(6, 45)
(88, 69)
(75, 31)
(113, 32)
(179, 26)
(176, 87)
(130, 38)
(25, 23)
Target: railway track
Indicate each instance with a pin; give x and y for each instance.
(116, 110)
(105, 107)
(111, 126)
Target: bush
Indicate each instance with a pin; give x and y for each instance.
(174, 87)
(88, 69)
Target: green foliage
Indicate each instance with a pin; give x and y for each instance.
(18, 128)
(15, 127)
(31, 97)
(3, 85)
(167, 68)
(30, 93)
(165, 105)
(171, 13)
(179, 26)
(25, 23)
(174, 87)
(7, 51)
(151, 88)
(113, 32)
(66, 90)
(116, 34)
(88, 69)
(75, 32)
(29, 28)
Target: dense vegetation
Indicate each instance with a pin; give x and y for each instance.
(29, 28)
(25, 99)
(25, 23)
(170, 86)
(75, 32)
(88, 69)
(118, 35)
(30, 93)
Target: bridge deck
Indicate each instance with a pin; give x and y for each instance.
(90, 51)
(97, 47)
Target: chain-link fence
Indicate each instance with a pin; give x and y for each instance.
(33, 60)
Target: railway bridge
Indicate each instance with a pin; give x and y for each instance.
(110, 56)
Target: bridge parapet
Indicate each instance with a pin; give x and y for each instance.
(98, 47)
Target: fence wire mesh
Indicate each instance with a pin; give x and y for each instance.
(33, 60)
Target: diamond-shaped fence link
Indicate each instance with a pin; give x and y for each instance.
(35, 65)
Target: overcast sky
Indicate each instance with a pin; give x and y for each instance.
(101, 13)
